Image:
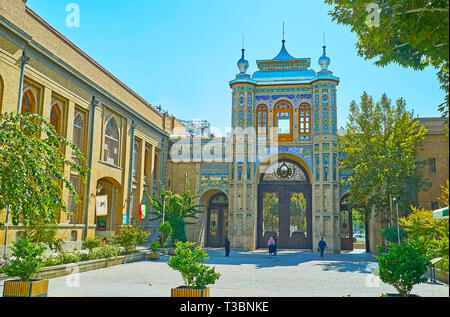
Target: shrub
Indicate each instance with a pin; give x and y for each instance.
(27, 260)
(131, 236)
(166, 233)
(154, 246)
(189, 262)
(106, 251)
(92, 243)
(402, 266)
(391, 234)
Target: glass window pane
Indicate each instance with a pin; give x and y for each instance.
(284, 122)
(271, 213)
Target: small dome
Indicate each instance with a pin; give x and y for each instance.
(324, 60)
(243, 63)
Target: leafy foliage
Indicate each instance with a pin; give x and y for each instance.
(429, 235)
(176, 210)
(101, 252)
(189, 262)
(154, 246)
(92, 243)
(32, 169)
(379, 147)
(166, 233)
(413, 33)
(130, 236)
(27, 260)
(391, 234)
(402, 266)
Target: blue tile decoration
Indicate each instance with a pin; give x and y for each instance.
(324, 97)
(249, 119)
(302, 151)
(325, 121)
(326, 165)
(317, 168)
(333, 122)
(317, 122)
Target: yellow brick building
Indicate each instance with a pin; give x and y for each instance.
(123, 136)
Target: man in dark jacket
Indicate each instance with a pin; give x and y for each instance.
(322, 247)
(227, 247)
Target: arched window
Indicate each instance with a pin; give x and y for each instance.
(147, 163)
(27, 102)
(135, 157)
(55, 118)
(305, 118)
(78, 131)
(283, 121)
(1, 93)
(262, 112)
(111, 154)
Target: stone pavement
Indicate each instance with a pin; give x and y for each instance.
(244, 274)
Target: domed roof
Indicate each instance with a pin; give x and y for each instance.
(243, 63)
(324, 60)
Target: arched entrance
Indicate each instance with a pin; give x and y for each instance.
(346, 225)
(106, 224)
(285, 206)
(217, 221)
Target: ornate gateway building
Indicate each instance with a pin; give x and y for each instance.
(277, 174)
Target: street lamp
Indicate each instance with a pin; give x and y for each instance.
(397, 199)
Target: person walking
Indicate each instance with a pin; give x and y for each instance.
(271, 244)
(227, 247)
(275, 245)
(322, 247)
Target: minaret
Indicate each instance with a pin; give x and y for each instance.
(242, 201)
(326, 197)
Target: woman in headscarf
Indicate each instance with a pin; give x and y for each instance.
(271, 245)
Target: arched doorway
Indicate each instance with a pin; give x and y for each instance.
(346, 225)
(285, 206)
(217, 221)
(106, 224)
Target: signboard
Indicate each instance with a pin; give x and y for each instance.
(124, 219)
(101, 223)
(101, 206)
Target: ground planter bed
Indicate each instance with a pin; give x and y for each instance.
(33, 288)
(67, 269)
(189, 292)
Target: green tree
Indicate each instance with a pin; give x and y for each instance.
(428, 234)
(402, 266)
(379, 147)
(413, 33)
(32, 169)
(271, 212)
(176, 209)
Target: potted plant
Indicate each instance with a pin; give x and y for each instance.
(402, 266)
(27, 260)
(196, 276)
(155, 254)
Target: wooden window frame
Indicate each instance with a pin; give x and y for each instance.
(287, 137)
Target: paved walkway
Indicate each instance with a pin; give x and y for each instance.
(244, 274)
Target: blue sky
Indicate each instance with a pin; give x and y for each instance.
(181, 54)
